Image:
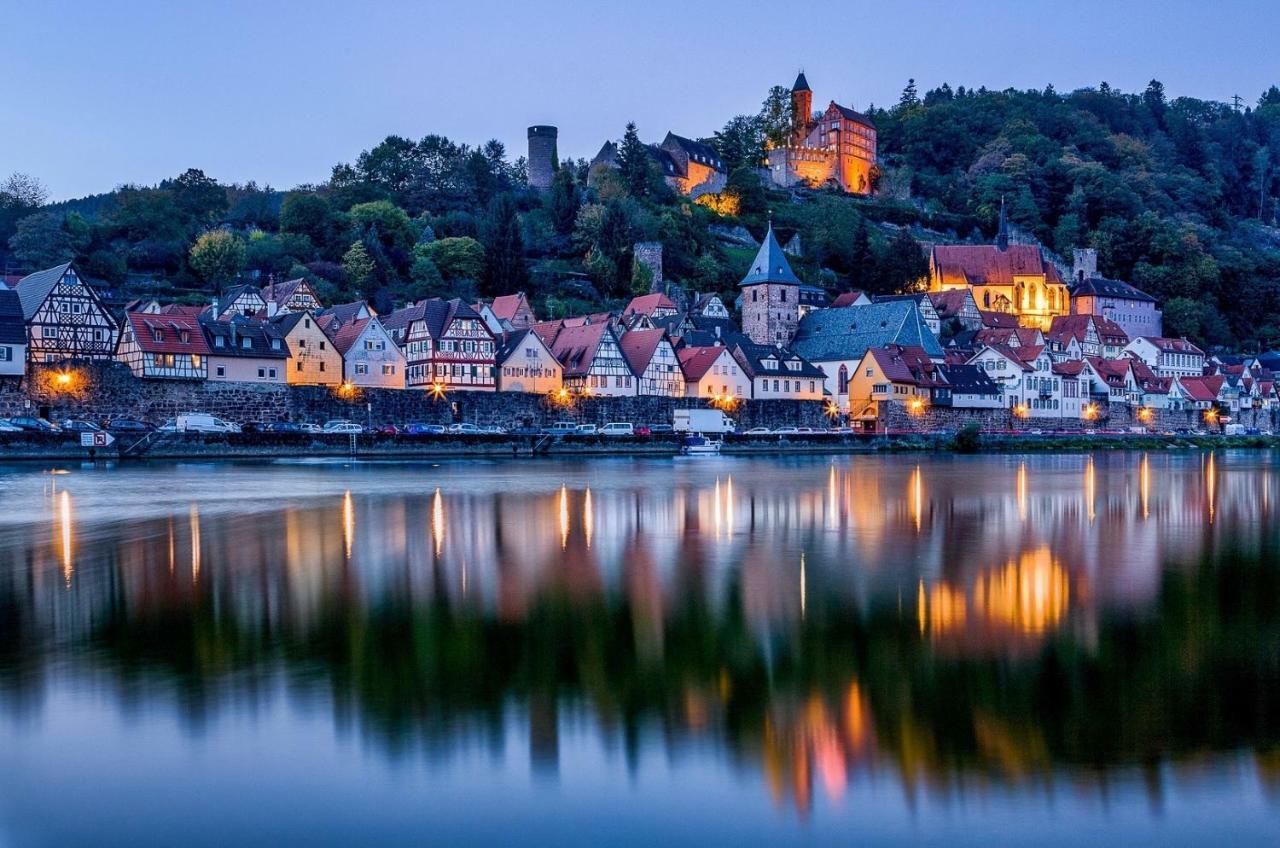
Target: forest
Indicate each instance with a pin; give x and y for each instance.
(1178, 195)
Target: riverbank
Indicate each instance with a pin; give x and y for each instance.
(292, 446)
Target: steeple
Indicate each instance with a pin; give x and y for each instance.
(1002, 234)
(770, 264)
(802, 84)
(801, 109)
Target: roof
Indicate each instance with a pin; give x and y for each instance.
(949, 303)
(848, 298)
(576, 347)
(510, 342)
(639, 346)
(346, 335)
(647, 304)
(998, 319)
(161, 333)
(847, 333)
(284, 323)
(1168, 345)
(234, 293)
(1069, 367)
(13, 329)
(505, 307)
(281, 292)
(770, 264)
(752, 356)
(801, 83)
(343, 313)
(695, 362)
(969, 380)
(33, 289)
(907, 364)
(235, 330)
(704, 154)
(988, 265)
(1202, 388)
(850, 114)
(1102, 287)
(437, 313)
(547, 331)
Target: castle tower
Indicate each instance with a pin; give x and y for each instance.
(770, 296)
(1086, 264)
(801, 107)
(543, 160)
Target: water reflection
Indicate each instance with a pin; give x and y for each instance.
(949, 624)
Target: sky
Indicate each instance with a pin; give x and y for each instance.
(94, 95)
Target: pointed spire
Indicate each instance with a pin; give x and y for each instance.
(801, 84)
(770, 264)
(1002, 234)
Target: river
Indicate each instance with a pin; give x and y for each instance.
(942, 650)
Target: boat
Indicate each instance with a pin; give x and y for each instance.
(698, 445)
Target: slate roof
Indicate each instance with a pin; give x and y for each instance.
(703, 154)
(235, 330)
(770, 264)
(510, 342)
(801, 83)
(826, 335)
(13, 329)
(342, 313)
(33, 289)
(281, 292)
(1102, 287)
(170, 328)
(751, 357)
(969, 380)
(231, 294)
(852, 115)
(988, 265)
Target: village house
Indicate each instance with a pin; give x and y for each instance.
(924, 303)
(1030, 386)
(513, 312)
(445, 343)
(591, 358)
(65, 317)
(838, 146)
(314, 358)
(370, 358)
(1113, 380)
(1074, 383)
(956, 308)
(245, 299)
(291, 296)
(1094, 336)
(971, 388)
(1168, 357)
(526, 364)
(656, 305)
(164, 346)
(1205, 393)
(244, 350)
(709, 306)
(1133, 310)
(653, 361)
(776, 373)
(712, 372)
(13, 335)
(903, 374)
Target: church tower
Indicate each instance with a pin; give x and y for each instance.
(770, 296)
(801, 108)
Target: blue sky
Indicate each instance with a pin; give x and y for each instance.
(97, 94)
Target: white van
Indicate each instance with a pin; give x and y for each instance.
(202, 422)
(618, 428)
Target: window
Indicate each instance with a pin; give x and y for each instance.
(271, 372)
(246, 343)
(322, 345)
(262, 373)
(321, 365)
(298, 366)
(6, 353)
(302, 342)
(49, 332)
(221, 371)
(362, 368)
(388, 370)
(218, 341)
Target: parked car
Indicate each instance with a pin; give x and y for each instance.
(661, 429)
(465, 429)
(643, 430)
(758, 431)
(77, 425)
(6, 427)
(202, 422)
(387, 430)
(310, 427)
(562, 428)
(618, 428)
(526, 431)
(128, 425)
(494, 430)
(30, 424)
(420, 429)
(786, 431)
(586, 430)
(342, 425)
(170, 425)
(282, 427)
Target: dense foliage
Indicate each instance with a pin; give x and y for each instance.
(1178, 196)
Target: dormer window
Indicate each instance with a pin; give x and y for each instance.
(184, 336)
(218, 341)
(247, 343)
(157, 336)
(275, 344)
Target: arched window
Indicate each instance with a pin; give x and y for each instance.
(843, 380)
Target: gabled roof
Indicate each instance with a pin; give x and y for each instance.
(647, 304)
(998, 319)
(513, 341)
(1112, 371)
(847, 333)
(13, 329)
(281, 292)
(770, 264)
(347, 334)
(639, 346)
(547, 331)
(435, 313)
(235, 293)
(284, 323)
(850, 114)
(969, 380)
(1101, 287)
(160, 333)
(233, 332)
(1167, 345)
(703, 154)
(695, 362)
(34, 289)
(1013, 354)
(907, 364)
(951, 302)
(506, 306)
(1202, 388)
(751, 357)
(988, 265)
(576, 347)
(1069, 367)
(344, 313)
(849, 298)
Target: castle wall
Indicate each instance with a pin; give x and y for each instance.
(770, 313)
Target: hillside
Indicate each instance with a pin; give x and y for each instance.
(1179, 197)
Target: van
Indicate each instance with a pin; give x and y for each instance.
(202, 422)
(618, 428)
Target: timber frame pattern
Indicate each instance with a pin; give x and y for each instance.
(72, 323)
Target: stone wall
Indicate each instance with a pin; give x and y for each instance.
(99, 391)
(895, 418)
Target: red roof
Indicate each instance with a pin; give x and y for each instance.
(345, 335)
(169, 333)
(988, 265)
(507, 306)
(1172, 345)
(647, 304)
(998, 319)
(547, 331)
(1069, 368)
(907, 364)
(949, 303)
(695, 362)
(576, 347)
(639, 346)
(1202, 388)
(844, 299)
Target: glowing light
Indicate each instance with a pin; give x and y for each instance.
(436, 390)
(915, 406)
(348, 522)
(1090, 412)
(1144, 484)
(1029, 596)
(917, 497)
(346, 390)
(832, 409)
(588, 516)
(1211, 416)
(1090, 488)
(1146, 414)
(564, 517)
(1022, 411)
(194, 517)
(64, 521)
(1022, 491)
(437, 521)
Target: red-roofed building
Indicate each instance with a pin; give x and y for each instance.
(1204, 392)
(1011, 278)
(850, 298)
(713, 372)
(1168, 357)
(957, 305)
(656, 305)
(652, 359)
(593, 361)
(369, 355)
(164, 347)
(513, 311)
(445, 343)
(900, 373)
(1028, 380)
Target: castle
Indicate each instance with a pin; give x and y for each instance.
(838, 145)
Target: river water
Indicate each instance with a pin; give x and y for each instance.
(1066, 650)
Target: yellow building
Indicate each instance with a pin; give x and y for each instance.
(313, 358)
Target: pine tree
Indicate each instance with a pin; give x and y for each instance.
(564, 202)
(634, 163)
(861, 259)
(505, 271)
(910, 98)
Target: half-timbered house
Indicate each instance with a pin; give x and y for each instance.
(65, 317)
(445, 343)
(291, 296)
(593, 361)
(654, 363)
(159, 346)
(240, 300)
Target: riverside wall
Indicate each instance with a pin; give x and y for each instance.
(96, 391)
(894, 417)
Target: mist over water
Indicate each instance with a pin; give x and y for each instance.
(896, 650)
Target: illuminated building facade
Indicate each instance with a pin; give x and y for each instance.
(836, 146)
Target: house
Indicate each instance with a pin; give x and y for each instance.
(245, 350)
(513, 311)
(1025, 374)
(837, 146)
(1012, 278)
(291, 296)
(921, 300)
(653, 361)
(314, 357)
(971, 388)
(1204, 393)
(836, 340)
(957, 309)
(689, 167)
(1095, 335)
(850, 298)
(13, 335)
(899, 373)
(712, 372)
(1168, 357)
(656, 305)
(156, 346)
(370, 358)
(709, 306)
(1135, 311)
(65, 317)
(244, 300)
(445, 343)
(526, 364)
(1114, 380)
(592, 360)
(776, 373)
(811, 298)
(1075, 387)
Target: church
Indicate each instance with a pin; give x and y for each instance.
(837, 145)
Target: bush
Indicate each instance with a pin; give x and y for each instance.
(968, 439)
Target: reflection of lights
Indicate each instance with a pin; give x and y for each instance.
(1211, 484)
(917, 496)
(348, 522)
(564, 516)
(1090, 484)
(803, 590)
(1022, 491)
(195, 543)
(831, 496)
(715, 509)
(728, 505)
(857, 718)
(1144, 483)
(437, 521)
(588, 516)
(941, 610)
(64, 521)
(1030, 596)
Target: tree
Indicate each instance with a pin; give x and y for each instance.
(427, 281)
(745, 188)
(45, 239)
(641, 278)
(740, 143)
(199, 198)
(310, 215)
(217, 257)
(909, 101)
(457, 258)
(1153, 99)
(903, 265)
(776, 118)
(861, 259)
(359, 267)
(505, 271)
(20, 195)
(563, 201)
(388, 224)
(634, 163)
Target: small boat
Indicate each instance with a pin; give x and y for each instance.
(698, 445)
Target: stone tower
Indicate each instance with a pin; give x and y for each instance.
(801, 107)
(542, 156)
(770, 296)
(1086, 264)
(649, 254)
